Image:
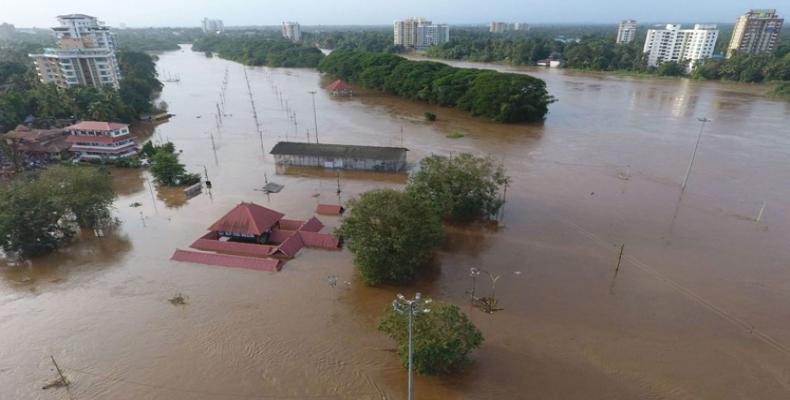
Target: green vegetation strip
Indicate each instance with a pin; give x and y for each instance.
(260, 49)
(502, 97)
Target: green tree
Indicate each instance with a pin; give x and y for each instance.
(31, 222)
(85, 191)
(166, 169)
(442, 338)
(390, 234)
(462, 188)
(41, 213)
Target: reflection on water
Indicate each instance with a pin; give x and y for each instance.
(87, 253)
(700, 318)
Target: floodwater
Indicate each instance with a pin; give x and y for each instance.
(699, 308)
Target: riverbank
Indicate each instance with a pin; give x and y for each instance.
(769, 88)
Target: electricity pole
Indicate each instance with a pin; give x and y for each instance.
(315, 118)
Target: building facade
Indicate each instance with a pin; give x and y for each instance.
(755, 32)
(626, 33)
(339, 156)
(100, 141)
(85, 55)
(292, 31)
(501, 27)
(7, 30)
(419, 33)
(212, 26)
(680, 45)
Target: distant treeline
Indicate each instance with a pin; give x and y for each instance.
(605, 55)
(260, 49)
(21, 94)
(377, 41)
(155, 39)
(502, 97)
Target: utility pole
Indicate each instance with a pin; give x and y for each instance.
(405, 306)
(315, 118)
(704, 121)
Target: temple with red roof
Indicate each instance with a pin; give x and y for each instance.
(98, 140)
(340, 88)
(256, 237)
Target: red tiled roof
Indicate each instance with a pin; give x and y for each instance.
(321, 240)
(338, 86)
(311, 225)
(291, 246)
(290, 224)
(95, 126)
(247, 218)
(97, 139)
(330, 209)
(249, 249)
(263, 264)
(278, 236)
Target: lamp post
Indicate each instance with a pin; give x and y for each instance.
(411, 306)
(315, 118)
(704, 121)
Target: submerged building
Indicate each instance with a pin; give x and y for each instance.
(340, 156)
(100, 141)
(85, 55)
(255, 237)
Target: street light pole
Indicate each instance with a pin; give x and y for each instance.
(315, 118)
(403, 305)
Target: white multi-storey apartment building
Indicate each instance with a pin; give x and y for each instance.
(213, 26)
(501, 27)
(292, 31)
(756, 32)
(85, 54)
(680, 45)
(626, 33)
(419, 33)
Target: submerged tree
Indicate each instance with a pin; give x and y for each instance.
(40, 214)
(167, 170)
(462, 188)
(390, 235)
(442, 338)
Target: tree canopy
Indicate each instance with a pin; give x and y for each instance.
(25, 95)
(260, 49)
(41, 213)
(461, 188)
(442, 338)
(502, 97)
(166, 168)
(390, 234)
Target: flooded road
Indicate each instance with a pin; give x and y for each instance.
(700, 307)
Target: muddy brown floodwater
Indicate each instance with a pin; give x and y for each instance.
(700, 307)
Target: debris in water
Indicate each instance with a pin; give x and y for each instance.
(178, 300)
(332, 280)
(60, 381)
(136, 204)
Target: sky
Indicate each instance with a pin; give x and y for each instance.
(143, 13)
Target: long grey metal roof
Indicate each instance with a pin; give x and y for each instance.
(339, 151)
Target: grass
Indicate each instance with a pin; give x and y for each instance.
(455, 134)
